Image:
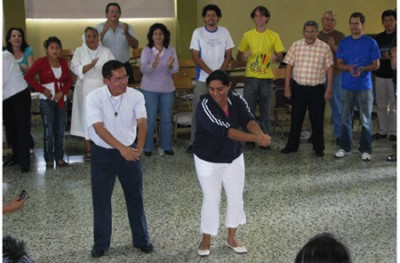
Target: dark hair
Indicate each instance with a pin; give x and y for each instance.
(311, 23)
(90, 28)
(323, 248)
(163, 28)
(389, 12)
(24, 44)
(14, 250)
(219, 75)
(109, 66)
(52, 39)
(113, 4)
(214, 8)
(263, 11)
(358, 14)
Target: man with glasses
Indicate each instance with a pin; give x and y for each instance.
(118, 37)
(357, 56)
(115, 114)
(309, 66)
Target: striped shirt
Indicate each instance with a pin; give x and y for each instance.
(310, 62)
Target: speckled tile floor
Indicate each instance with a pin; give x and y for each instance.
(288, 199)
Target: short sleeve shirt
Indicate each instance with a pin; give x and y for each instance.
(212, 46)
(101, 107)
(116, 41)
(310, 62)
(262, 45)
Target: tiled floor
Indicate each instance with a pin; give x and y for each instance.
(288, 199)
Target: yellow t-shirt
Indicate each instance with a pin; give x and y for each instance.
(261, 46)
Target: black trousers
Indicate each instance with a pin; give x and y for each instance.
(309, 98)
(17, 121)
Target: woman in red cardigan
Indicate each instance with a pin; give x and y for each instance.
(55, 82)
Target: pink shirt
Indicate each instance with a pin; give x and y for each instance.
(310, 62)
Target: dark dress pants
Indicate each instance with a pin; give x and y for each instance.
(17, 121)
(106, 165)
(311, 98)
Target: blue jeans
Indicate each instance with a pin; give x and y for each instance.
(336, 105)
(53, 119)
(260, 90)
(159, 102)
(363, 100)
(106, 165)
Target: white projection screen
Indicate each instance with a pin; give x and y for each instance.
(82, 9)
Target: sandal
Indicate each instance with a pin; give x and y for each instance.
(391, 158)
(88, 156)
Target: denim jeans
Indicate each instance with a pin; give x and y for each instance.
(363, 100)
(159, 102)
(260, 90)
(53, 119)
(336, 105)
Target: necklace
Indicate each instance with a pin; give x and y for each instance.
(119, 106)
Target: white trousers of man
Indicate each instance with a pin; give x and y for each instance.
(211, 177)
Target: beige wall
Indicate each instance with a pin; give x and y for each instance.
(70, 31)
(288, 16)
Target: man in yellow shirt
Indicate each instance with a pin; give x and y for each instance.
(260, 47)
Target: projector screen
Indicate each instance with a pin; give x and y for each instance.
(82, 9)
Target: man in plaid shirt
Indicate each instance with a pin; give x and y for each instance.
(309, 65)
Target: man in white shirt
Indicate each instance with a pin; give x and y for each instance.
(211, 47)
(114, 115)
(118, 37)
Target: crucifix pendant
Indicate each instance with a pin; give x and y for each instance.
(115, 114)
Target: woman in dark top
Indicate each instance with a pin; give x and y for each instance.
(218, 156)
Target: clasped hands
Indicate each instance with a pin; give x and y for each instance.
(130, 154)
(263, 140)
(355, 73)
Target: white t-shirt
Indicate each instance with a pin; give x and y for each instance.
(212, 47)
(13, 81)
(101, 107)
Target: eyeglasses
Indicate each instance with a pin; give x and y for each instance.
(120, 79)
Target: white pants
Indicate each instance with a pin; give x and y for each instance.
(386, 106)
(211, 177)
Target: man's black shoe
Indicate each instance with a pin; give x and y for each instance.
(378, 136)
(146, 248)
(319, 153)
(287, 150)
(25, 168)
(392, 138)
(10, 162)
(96, 253)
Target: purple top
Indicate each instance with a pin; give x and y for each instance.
(158, 79)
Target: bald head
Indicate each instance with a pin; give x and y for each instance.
(328, 21)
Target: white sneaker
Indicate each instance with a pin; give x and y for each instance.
(366, 157)
(341, 153)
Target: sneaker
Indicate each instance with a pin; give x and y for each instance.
(366, 157)
(341, 153)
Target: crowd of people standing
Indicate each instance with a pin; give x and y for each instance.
(118, 123)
